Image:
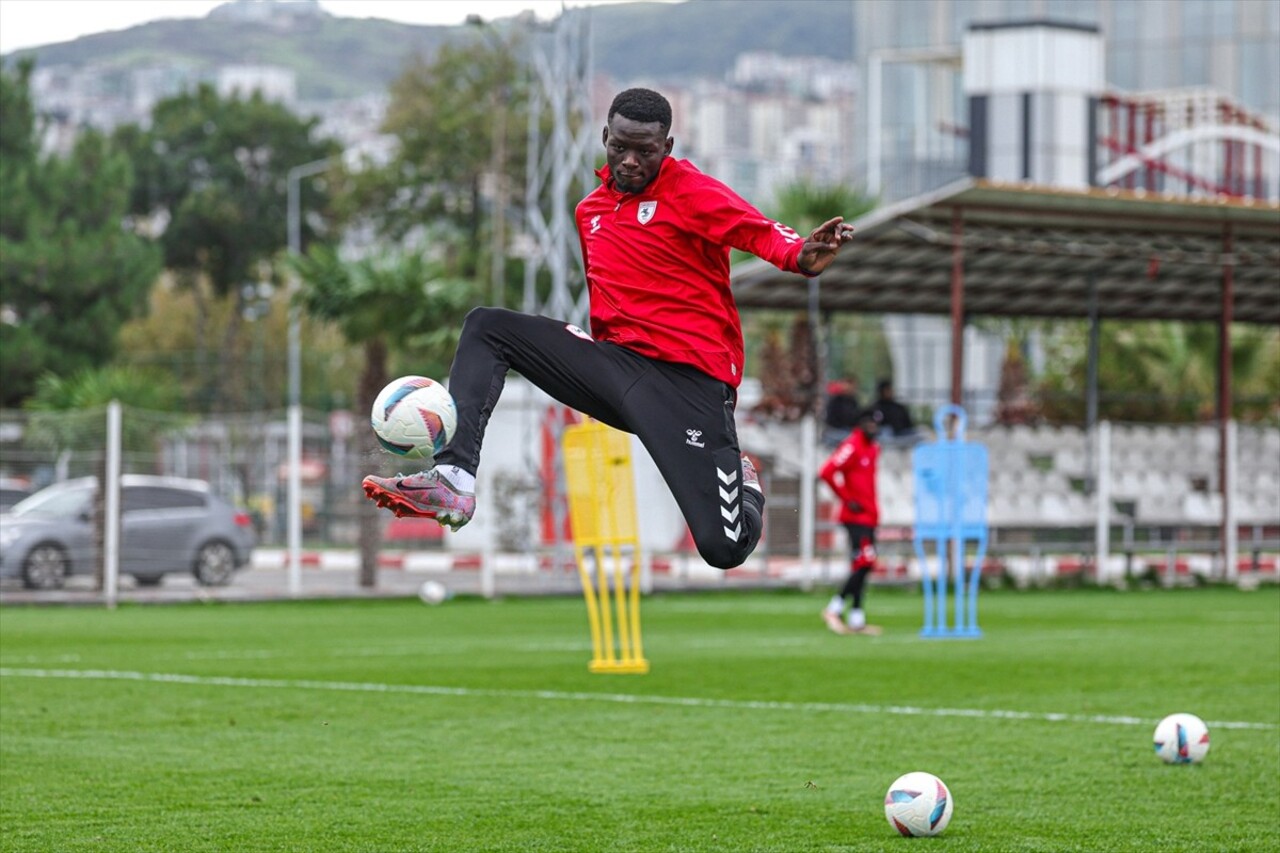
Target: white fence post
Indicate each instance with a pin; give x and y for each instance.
(489, 547)
(111, 508)
(294, 499)
(1102, 490)
(808, 464)
(1230, 545)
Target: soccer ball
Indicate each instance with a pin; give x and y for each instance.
(918, 804)
(432, 592)
(1182, 739)
(414, 417)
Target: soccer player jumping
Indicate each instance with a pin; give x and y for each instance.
(664, 356)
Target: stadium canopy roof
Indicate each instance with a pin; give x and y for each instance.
(1031, 251)
(977, 247)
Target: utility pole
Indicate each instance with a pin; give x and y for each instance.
(498, 251)
(499, 96)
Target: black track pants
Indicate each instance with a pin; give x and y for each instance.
(683, 417)
(862, 557)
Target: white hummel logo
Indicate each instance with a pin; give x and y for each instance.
(693, 436)
(595, 224)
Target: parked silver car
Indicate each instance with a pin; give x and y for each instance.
(11, 491)
(167, 524)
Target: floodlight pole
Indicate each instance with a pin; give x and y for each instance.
(501, 95)
(294, 494)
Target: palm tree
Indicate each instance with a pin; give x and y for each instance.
(805, 205)
(374, 301)
(794, 382)
(1162, 372)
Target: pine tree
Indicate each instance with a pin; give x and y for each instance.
(71, 272)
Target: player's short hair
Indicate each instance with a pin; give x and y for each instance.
(642, 105)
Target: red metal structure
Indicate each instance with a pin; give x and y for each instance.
(1192, 142)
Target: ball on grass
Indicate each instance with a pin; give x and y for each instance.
(1182, 739)
(918, 805)
(432, 592)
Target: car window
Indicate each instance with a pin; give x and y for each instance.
(54, 503)
(9, 497)
(159, 497)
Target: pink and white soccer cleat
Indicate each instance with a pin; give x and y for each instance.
(425, 495)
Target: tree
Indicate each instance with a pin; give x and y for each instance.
(793, 376)
(70, 270)
(1014, 404)
(805, 205)
(1160, 372)
(459, 118)
(256, 373)
(400, 298)
(212, 181)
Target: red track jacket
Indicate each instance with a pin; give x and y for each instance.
(851, 473)
(657, 265)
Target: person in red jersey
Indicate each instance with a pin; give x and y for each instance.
(664, 356)
(850, 471)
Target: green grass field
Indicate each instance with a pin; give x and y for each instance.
(389, 726)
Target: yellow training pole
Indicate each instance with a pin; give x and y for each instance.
(601, 491)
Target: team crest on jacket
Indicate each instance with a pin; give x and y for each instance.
(646, 211)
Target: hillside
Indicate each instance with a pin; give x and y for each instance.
(333, 57)
(702, 38)
(342, 57)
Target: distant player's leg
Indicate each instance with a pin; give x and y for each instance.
(833, 613)
(555, 356)
(862, 540)
(685, 420)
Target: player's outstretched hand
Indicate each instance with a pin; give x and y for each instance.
(823, 244)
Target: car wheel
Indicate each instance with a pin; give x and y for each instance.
(45, 567)
(148, 580)
(215, 563)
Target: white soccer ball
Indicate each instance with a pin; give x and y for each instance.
(1182, 739)
(918, 804)
(414, 417)
(432, 592)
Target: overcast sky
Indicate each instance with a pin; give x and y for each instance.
(32, 23)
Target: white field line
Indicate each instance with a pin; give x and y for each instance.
(616, 698)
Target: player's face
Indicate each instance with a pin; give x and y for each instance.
(634, 151)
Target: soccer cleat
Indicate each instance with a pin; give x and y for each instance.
(424, 495)
(750, 479)
(834, 622)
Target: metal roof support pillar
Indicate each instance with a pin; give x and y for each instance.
(957, 307)
(810, 460)
(1091, 369)
(1225, 484)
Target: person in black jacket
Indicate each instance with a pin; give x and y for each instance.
(841, 414)
(895, 420)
